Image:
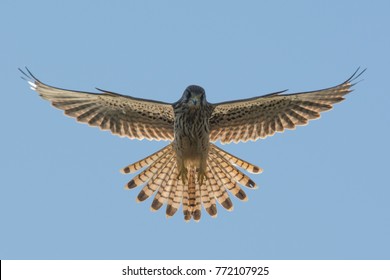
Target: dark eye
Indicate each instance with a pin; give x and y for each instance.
(188, 95)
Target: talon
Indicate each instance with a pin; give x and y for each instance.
(201, 177)
(183, 175)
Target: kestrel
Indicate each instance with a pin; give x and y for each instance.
(191, 170)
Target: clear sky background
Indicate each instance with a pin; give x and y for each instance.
(325, 190)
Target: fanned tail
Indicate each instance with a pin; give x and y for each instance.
(160, 176)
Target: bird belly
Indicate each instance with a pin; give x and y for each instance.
(192, 151)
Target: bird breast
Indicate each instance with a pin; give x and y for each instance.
(192, 135)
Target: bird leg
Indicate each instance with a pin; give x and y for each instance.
(183, 172)
(201, 174)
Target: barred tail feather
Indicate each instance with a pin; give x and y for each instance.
(228, 181)
(191, 198)
(152, 170)
(204, 196)
(188, 195)
(211, 207)
(164, 190)
(175, 199)
(197, 209)
(220, 192)
(160, 177)
(236, 161)
(146, 161)
(232, 171)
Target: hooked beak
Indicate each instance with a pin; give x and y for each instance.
(195, 100)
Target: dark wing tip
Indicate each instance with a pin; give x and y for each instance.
(355, 76)
(102, 90)
(27, 75)
(29, 78)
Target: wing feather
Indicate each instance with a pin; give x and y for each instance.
(263, 116)
(123, 115)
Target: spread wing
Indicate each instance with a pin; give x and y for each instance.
(123, 115)
(262, 116)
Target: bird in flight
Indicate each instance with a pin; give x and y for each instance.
(192, 171)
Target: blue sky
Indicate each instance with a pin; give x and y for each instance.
(325, 190)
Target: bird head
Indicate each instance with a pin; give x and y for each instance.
(194, 97)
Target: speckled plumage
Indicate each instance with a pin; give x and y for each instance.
(191, 171)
